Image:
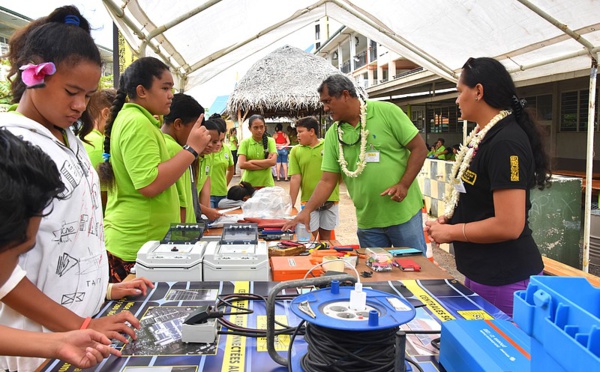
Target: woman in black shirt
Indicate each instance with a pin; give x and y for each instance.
(487, 203)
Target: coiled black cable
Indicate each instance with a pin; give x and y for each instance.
(234, 329)
(349, 351)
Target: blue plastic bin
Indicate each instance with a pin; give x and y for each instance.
(562, 316)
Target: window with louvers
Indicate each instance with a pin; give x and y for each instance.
(574, 108)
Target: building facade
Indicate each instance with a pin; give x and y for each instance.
(559, 102)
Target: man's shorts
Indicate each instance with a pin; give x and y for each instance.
(326, 219)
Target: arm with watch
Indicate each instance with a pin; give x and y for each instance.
(171, 170)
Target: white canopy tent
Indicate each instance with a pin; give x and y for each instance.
(540, 38)
(200, 42)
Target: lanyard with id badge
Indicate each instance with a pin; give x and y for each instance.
(459, 186)
(372, 156)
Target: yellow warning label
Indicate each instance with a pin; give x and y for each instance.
(475, 314)
(432, 304)
(235, 347)
(282, 342)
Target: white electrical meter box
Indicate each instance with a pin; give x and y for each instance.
(238, 256)
(178, 257)
(171, 262)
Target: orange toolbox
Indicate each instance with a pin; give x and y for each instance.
(292, 267)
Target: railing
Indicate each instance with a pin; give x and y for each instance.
(406, 73)
(373, 52)
(360, 59)
(346, 67)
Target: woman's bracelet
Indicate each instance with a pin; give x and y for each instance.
(110, 287)
(86, 322)
(464, 233)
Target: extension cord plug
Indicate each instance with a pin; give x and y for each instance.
(358, 298)
(203, 315)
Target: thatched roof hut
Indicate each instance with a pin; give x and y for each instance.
(283, 84)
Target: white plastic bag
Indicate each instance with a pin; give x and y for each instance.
(268, 202)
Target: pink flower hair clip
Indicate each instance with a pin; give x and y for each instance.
(33, 75)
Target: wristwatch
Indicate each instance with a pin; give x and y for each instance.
(189, 149)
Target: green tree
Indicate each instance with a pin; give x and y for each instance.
(5, 93)
(106, 81)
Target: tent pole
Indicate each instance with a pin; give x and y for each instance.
(116, 54)
(241, 119)
(240, 124)
(119, 13)
(555, 22)
(563, 57)
(220, 53)
(589, 163)
(450, 74)
(174, 22)
(182, 82)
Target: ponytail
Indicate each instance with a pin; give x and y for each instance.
(141, 72)
(239, 192)
(107, 176)
(265, 141)
(535, 135)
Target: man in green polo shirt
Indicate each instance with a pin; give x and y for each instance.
(305, 172)
(379, 153)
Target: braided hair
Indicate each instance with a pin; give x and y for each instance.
(98, 102)
(500, 93)
(265, 138)
(141, 72)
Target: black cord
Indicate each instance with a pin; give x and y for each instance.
(436, 343)
(253, 334)
(228, 299)
(292, 344)
(348, 351)
(414, 363)
(258, 332)
(232, 328)
(327, 349)
(421, 332)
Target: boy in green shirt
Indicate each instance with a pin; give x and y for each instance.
(176, 127)
(305, 171)
(185, 111)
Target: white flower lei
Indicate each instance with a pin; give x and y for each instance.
(364, 134)
(463, 160)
